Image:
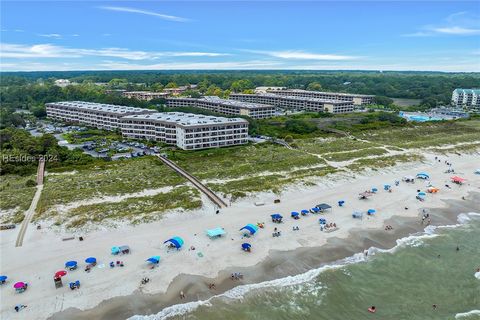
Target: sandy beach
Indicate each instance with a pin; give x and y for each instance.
(44, 252)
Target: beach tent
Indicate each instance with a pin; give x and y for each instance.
(315, 210)
(124, 249)
(294, 214)
(371, 211)
(60, 274)
(323, 206)
(3, 279)
(276, 217)
(251, 228)
(115, 250)
(154, 259)
(423, 175)
(176, 241)
(246, 246)
(304, 211)
(91, 260)
(456, 179)
(71, 264)
(215, 233)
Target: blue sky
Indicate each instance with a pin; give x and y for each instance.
(317, 35)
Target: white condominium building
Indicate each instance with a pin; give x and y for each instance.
(467, 98)
(99, 115)
(357, 99)
(296, 103)
(224, 106)
(186, 130)
(144, 95)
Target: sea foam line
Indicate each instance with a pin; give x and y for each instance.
(467, 314)
(240, 291)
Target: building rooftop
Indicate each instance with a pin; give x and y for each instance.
(110, 108)
(184, 119)
(325, 92)
(273, 95)
(236, 103)
(147, 92)
(468, 91)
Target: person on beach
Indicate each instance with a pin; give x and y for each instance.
(19, 307)
(372, 309)
(458, 248)
(434, 306)
(182, 295)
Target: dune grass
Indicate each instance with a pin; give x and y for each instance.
(344, 156)
(323, 146)
(16, 194)
(108, 178)
(383, 162)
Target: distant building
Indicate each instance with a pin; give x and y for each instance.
(179, 90)
(62, 83)
(357, 99)
(265, 89)
(296, 103)
(225, 106)
(185, 130)
(144, 95)
(468, 99)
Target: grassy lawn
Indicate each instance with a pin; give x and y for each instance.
(322, 146)
(344, 156)
(383, 162)
(15, 194)
(426, 135)
(134, 210)
(243, 161)
(91, 135)
(107, 178)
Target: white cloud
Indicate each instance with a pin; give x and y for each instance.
(145, 12)
(302, 55)
(51, 35)
(456, 24)
(19, 51)
(456, 30)
(252, 65)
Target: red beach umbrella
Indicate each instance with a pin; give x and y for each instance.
(60, 273)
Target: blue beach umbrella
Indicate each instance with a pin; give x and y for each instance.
(304, 211)
(3, 278)
(315, 209)
(70, 264)
(246, 246)
(423, 175)
(294, 214)
(91, 260)
(322, 221)
(371, 211)
(276, 216)
(115, 250)
(176, 241)
(374, 189)
(341, 203)
(154, 259)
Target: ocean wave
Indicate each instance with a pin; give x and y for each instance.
(240, 291)
(467, 314)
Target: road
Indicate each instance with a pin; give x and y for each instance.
(200, 186)
(31, 210)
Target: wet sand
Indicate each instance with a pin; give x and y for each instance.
(278, 264)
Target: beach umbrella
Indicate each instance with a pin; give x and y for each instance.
(3, 278)
(371, 211)
(91, 260)
(423, 175)
(294, 214)
(422, 194)
(374, 189)
(19, 285)
(322, 221)
(250, 227)
(176, 241)
(115, 250)
(315, 209)
(154, 259)
(70, 264)
(246, 246)
(60, 273)
(276, 216)
(341, 203)
(304, 211)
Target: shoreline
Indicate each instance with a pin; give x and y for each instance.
(191, 270)
(279, 264)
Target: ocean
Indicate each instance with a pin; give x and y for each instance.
(402, 283)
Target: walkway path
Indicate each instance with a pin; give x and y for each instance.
(200, 186)
(31, 210)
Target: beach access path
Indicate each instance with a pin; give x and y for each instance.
(31, 210)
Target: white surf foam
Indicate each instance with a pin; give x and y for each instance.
(467, 314)
(240, 291)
